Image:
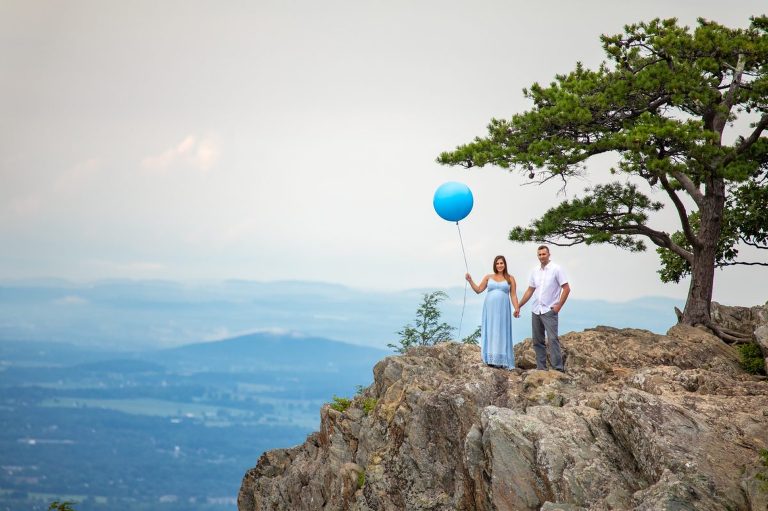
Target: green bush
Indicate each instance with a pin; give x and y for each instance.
(752, 360)
(61, 506)
(361, 479)
(762, 476)
(340, 403)
(369, 403)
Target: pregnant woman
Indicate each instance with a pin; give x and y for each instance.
(496, 328)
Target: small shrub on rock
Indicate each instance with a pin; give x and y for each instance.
(340, 403)
(61, 506)
(752, 360)
(369, 403)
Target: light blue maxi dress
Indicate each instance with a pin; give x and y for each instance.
(496, 329)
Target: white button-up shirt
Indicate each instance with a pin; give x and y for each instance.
(548, 281)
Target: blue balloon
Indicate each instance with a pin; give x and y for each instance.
(453, 201)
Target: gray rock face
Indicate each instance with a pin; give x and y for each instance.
(744, 319)
(640, 421)
(752, 321)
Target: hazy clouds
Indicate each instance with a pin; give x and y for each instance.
(290, 140)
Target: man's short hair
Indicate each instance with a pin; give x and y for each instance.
(543, 247)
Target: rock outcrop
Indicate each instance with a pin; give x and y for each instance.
(639, 421)
(751, 322)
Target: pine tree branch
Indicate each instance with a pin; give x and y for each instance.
(753, 244)
(659, 238)
(690, 187)
(761, 125)
(681, 212)
(734, 263)
(730, 96)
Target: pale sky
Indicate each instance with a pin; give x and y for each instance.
(270, 140)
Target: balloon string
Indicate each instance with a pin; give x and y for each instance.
(462, 247)
(466, 266)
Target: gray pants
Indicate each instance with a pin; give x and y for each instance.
(540, 323)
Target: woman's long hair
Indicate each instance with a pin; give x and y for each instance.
(505, 273)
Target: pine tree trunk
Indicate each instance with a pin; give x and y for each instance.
(697, 305)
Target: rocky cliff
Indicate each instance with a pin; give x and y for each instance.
(639, 421)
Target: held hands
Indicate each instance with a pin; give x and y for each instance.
(517, 312)
(556, 307)
(468, 277)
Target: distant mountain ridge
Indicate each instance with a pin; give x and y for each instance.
(248, 353)
(126, 429)
(269, 351)
(140, 315)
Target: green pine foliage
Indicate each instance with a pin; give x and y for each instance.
(427, 329)
(473, 338)
(661, 102)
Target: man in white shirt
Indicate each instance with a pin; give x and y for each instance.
(549, 287)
